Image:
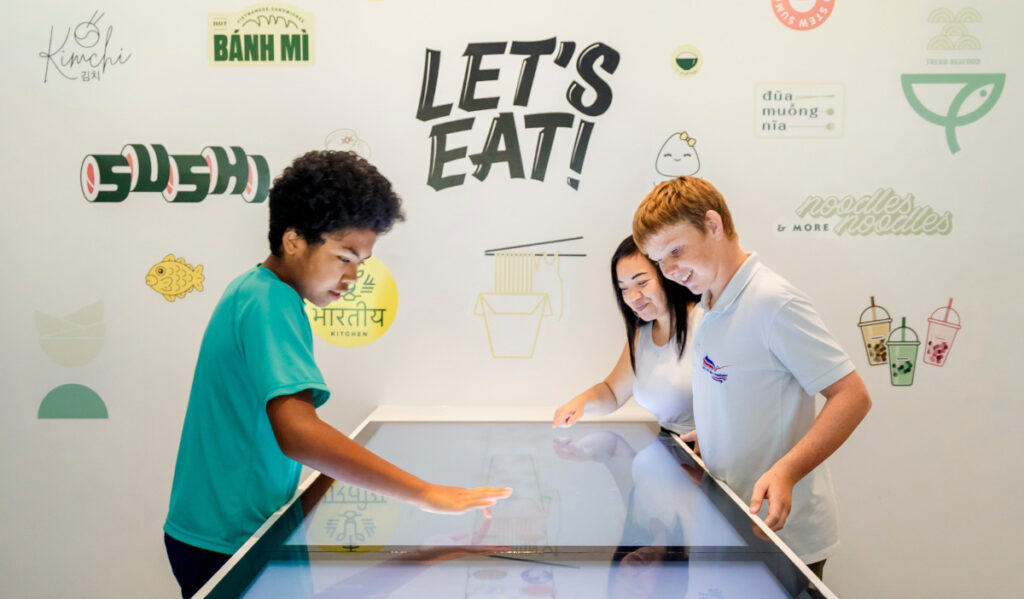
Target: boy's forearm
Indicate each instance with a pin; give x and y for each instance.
(331, 452)
(305, 438)
(847, 402)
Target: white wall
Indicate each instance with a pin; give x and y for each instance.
(926, 484)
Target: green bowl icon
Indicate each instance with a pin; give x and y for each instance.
(686, 60)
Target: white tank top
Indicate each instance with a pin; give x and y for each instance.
(663, 382)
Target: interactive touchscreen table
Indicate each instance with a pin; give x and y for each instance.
(613, 509)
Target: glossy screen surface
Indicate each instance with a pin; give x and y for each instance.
(598, 510)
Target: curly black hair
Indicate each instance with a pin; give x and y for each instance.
(325, 192)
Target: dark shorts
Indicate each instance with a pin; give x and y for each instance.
(192, 566)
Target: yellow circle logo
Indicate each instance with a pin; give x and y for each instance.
(362, 315)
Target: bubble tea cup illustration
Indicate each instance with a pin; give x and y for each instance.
(902, 346)
(874, 327)
(943, 325)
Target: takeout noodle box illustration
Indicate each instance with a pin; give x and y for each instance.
(874, 327)
(902, 345)
(943, 325)
(513, 321)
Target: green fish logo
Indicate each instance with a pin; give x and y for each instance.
(986, 86)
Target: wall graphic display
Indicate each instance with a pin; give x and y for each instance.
(173, 277)
(957, 97)
(875, 325)
(528, 288)
(364, 313)
(900, 347)
(802, 15)
(347, 140)
(812, 110)
(587, 96)
(677, 157)
(83, 51)
(943, 325)
(72, 402)
(881, 213)
(180, 178)
(973, 96)
(72, 340)
(268, 33)
(75, 339)
(687, 60)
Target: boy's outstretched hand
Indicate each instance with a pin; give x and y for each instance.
(455, 500)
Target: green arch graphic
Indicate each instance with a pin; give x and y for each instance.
(72, 401)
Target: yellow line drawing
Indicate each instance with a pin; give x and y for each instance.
(528, 287)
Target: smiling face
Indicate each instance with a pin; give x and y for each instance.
(688, 257)
(641, 290)
(678, 156)
(323, 272)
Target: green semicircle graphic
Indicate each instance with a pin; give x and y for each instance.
(74, 402)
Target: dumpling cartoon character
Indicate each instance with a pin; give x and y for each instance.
(678, 156)
(174, 278)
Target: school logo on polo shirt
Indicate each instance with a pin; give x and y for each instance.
(715, 371)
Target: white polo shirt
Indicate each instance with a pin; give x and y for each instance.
(760, 356)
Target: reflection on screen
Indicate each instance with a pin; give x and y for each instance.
(483, 578)
(597, 511)
(622, 483)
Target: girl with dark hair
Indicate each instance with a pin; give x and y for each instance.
(656, 364)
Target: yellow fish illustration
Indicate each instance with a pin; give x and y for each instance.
(171, 278)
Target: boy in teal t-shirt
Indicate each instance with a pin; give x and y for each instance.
(251, 419)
